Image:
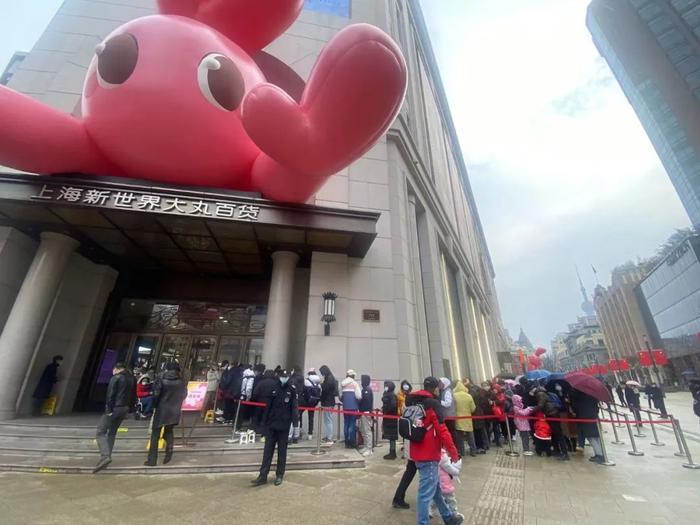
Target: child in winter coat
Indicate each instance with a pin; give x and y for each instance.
(521, 423)
(542, 436)
(448, 471)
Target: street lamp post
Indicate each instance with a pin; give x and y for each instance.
(653, 363)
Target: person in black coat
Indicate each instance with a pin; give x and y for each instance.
(262, 393)
(329, 391)
(169, 392)
(657, 397)
(366, 405)
(281, 408)
(390, 426)
(297, 380)
(586, 407)
(633, 402)
(49, 377)
(121, 399)
(620, 394)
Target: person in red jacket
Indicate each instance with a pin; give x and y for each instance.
(426, 454)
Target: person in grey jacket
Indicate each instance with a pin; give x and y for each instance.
(449, 409)
(169, 393)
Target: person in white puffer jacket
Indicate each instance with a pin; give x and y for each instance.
(247, 393)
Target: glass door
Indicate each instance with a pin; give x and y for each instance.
(231, 349)
(254, 351)
(175, 348)
(143, 351)
(202, 354)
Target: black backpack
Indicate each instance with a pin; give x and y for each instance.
(411, 423)
(313, 394)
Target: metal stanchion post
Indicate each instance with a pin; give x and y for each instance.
(617, 416)
(612, 424)
(637, 418)
(680, 452)
(319, 416)
(235, 424)
(338, 405)
(634, 451)
(691, 464)
(656, 441)
(510, 451)
(606, 461)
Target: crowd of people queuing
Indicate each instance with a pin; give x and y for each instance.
(456, 418)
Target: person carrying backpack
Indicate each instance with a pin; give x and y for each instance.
(390, 426)
(547, 406)
(422, 424)
(311, 397)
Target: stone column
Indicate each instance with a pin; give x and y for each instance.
(279, 310)
(28, 316)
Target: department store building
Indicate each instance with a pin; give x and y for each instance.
(101, 269)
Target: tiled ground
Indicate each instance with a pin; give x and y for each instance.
(653, 489)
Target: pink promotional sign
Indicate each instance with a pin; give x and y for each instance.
(196, 391)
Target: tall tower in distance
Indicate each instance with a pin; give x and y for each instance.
(653, 49)
(586, 305)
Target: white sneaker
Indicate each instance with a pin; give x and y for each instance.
(309, 437)
(367, 452)
(528, 453)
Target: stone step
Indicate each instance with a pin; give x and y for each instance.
(48, 447)
(182, 463)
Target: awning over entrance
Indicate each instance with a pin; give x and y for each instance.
(136, 223)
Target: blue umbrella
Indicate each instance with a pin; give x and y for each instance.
(556, 376)
(535, 375)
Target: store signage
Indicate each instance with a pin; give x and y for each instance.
(143, 201)
(676, 254)
(196, 392)
(330, 7)
(371, 316)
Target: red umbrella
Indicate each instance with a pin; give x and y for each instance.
(588, 384)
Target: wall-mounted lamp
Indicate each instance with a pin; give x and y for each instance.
(328, 316)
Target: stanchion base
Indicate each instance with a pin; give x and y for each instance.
(617, 442)
(658, 444)
(633, 453)
(679, 454)
(318, 452)
(692, 466)
(607, 463)
(640, 435)
(512, 454)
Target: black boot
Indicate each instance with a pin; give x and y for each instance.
(278, 481)
(390, 455)
(400, 504)
(168, 456)
(260, 480)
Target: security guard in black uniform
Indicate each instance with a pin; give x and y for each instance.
(282, 408)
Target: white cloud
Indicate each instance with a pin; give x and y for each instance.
(557, 157)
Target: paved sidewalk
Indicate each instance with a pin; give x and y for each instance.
(495, 489)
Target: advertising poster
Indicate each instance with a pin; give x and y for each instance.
(196, 391)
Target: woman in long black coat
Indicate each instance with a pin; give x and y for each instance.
(169, 392)
(390, 426)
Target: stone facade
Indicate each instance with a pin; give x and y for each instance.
(428, 271)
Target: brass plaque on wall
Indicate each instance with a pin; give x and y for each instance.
(371, 316)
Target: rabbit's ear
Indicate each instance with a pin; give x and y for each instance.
(252, 24)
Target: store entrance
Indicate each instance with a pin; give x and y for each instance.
(148, 334)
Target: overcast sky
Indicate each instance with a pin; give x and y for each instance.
(562, 171)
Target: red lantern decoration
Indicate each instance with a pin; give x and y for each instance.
(623, 364)
(614, 365)
(644, 358)
(660, 357)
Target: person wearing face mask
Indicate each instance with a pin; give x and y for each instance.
(406, 388)
(280, 411)
(49, 377)
(390, 430)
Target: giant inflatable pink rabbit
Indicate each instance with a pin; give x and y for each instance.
(177, 98)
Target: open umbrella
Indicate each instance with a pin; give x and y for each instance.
(540, 373)
(588, 385)
(633, 383)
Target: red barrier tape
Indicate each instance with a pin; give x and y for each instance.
(379, 415)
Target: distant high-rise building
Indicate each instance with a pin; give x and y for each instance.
(653, 49)
(621, 316)
(12, 66)
(586, 305)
